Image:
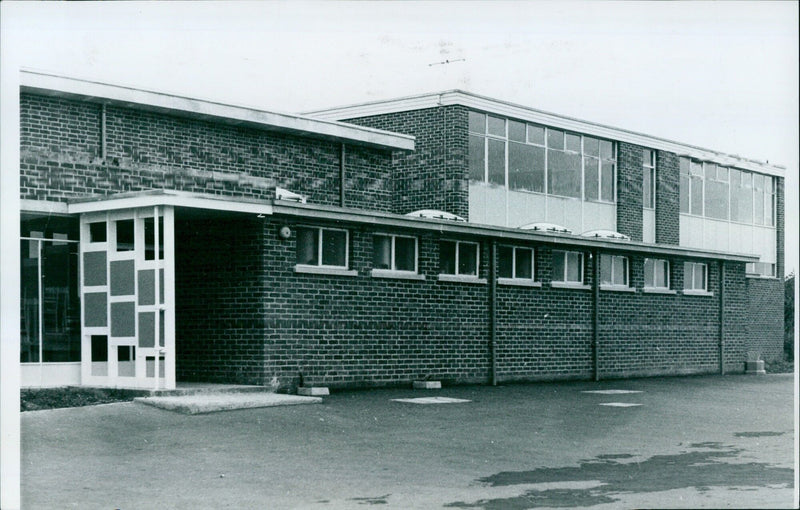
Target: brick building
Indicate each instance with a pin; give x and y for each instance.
(446, 236)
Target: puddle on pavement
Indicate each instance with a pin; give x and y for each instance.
(702, 470)
(757, 434)
(377, 500)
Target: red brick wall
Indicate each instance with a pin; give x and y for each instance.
(60, 157)
(435, 174)
(362, 331)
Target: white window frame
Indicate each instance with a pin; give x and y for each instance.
(514, 279)
(614, 269)
(564, 282)
(650, 167)
(457, 277)
(319, 267)
(656, 288)
(546, 191)
(688, 276)
(393, 272)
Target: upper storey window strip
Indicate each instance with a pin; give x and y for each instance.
(718, 192)
(527, 157)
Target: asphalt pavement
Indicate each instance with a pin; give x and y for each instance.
(681, 442)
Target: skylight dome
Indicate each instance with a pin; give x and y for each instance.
(434, 214)
(546, 227)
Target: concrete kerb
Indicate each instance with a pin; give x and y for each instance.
(209, 403)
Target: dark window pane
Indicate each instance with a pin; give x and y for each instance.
(525, 167)
(405, 253)
(716, 202)
(516, 131)
(334, 248)
(97, 232)
(535, 134)
(573, 142)
(524, 263)
(505, 262)
(124, 235)
(697, 195)
(606, 269)
(468, 259)
(607, 181)
(497, 162)
(497, 126)
(447, 257)
(684, 193)
(382, 252)
(477, 122)
(591, 146)
(574, 267)
(591, 175)
(606, 149)
(559, 263)
(149, 239)
(564, 174)
(555, 139)
(307, 247)
(161, 238)
(649, 273)
(647, 188)
(99, 348)
(477, 158)
(29, 301)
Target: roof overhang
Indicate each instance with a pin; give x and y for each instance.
(516, 111)
(42, 83)
(169, 198)
(315, 212)
(378, 219)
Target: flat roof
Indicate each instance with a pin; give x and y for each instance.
(517, 111)
(43, 83)
(375, 218)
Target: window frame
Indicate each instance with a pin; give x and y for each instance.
(693, 290)
(393, 272)
(667, 271)
(605, 163)
(457, 276)
(650, 169)
(565, 282)
(626, 271)
(319, 267)
(514, 279)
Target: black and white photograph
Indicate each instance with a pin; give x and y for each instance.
(410, 255)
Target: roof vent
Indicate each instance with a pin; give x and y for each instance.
(433, 214)
(546, 227)
(285, 194)
(606, 234)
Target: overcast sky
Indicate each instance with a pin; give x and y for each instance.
(719, 75)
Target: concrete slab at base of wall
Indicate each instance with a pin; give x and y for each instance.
(210, 403)
(427, 385)
(313, 391)
(754, 367)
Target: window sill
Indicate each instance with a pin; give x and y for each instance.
(697, 293)
(617, 288)
(518, 282)
(759, 276)
(399, 275)
(335, 271)
(568, 285)
(656, 290)
(459, 278)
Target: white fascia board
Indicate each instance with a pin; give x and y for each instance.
(506, 109)
(171, 198)
(61, 86)
(43, 206)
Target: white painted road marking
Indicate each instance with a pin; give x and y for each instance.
(431, 400)
(611, 392)
(619, 404)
